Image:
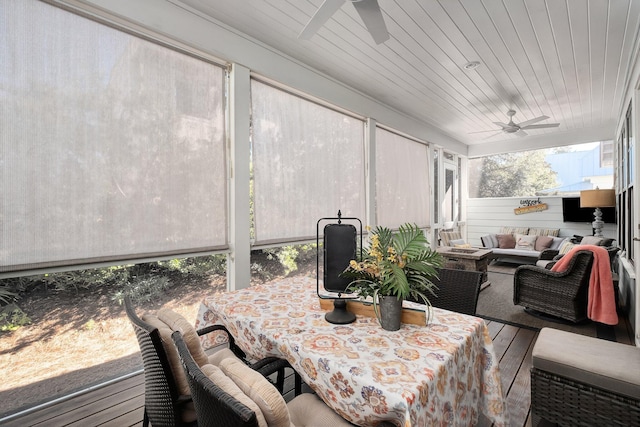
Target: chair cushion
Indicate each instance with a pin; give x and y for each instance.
(307, 410)
(591, 240)
(605, 364)
(172, 352)
(178, 323)
(260, 390)
(217, 357)
(218, 377)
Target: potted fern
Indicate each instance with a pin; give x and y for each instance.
(395, 265)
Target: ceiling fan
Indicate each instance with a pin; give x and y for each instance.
(369, 12)
(518, 128)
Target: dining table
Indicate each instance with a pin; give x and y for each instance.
(443, 373)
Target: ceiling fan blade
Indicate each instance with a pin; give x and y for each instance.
(491, 136)
(371, 15)
(483, 131)
(532, 121)
(546, 125)
(521, 133)
(322, 15)
(502, 125)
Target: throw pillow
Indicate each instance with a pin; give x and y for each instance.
(456, 242)
(525, 242)
(218, 377)
(489, 241)
(542, 243)
(565, 247)
(260, 390)
(591, 240)
(506, 241)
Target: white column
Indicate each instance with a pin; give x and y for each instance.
(370, 144)
(238, 261)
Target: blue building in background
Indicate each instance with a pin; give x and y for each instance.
(580, 170)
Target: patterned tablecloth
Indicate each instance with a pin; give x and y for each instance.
(443, 374)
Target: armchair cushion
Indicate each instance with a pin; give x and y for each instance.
(307, 410)
(591, 240)
(218, 377)
(176, 322)
(260, 390)
(172, 352)
(604, 364)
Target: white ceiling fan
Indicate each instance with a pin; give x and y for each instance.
(518, 128)
(369, 12)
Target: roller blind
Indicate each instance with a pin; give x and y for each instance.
(308, 162)
(112, 147)
(402, 180)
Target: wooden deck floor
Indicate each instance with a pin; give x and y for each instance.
(120, 403)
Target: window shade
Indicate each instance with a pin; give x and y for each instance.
(112, 147)
(308, 163)
(402, 180)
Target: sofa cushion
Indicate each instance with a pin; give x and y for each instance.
(514, 230)
(506, 241)
(565, 247)
(543, 242)
(515, 252)
(525, 242)
(490, 241)
(557, 241)
(604, 364)
(544, 232)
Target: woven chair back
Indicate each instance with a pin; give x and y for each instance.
(214, 406)
(161, 395)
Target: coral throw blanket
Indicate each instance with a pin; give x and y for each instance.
(602, 301)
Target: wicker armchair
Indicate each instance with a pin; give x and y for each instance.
(561, 294)
(583, 381)
(458, 290)
(165, 404)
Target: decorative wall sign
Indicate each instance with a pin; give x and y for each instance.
(530, 205)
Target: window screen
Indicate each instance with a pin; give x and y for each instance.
(112, 147)
(402, 180)
(308, 163)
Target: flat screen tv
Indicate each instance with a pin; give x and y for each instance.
(572, 212)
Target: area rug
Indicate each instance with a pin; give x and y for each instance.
(496, 303)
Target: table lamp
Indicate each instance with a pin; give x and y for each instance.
(597, 199)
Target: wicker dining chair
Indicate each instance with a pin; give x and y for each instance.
(560, 294)
(457, 290)
(226, 403)
(165, 405)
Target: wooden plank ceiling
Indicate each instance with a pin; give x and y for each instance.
(566, 59)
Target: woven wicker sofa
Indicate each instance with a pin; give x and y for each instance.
(582, 381)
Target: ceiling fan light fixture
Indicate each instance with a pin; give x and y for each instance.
(472, 65)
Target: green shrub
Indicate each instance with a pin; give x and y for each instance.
(12, 317)
(143, 288)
